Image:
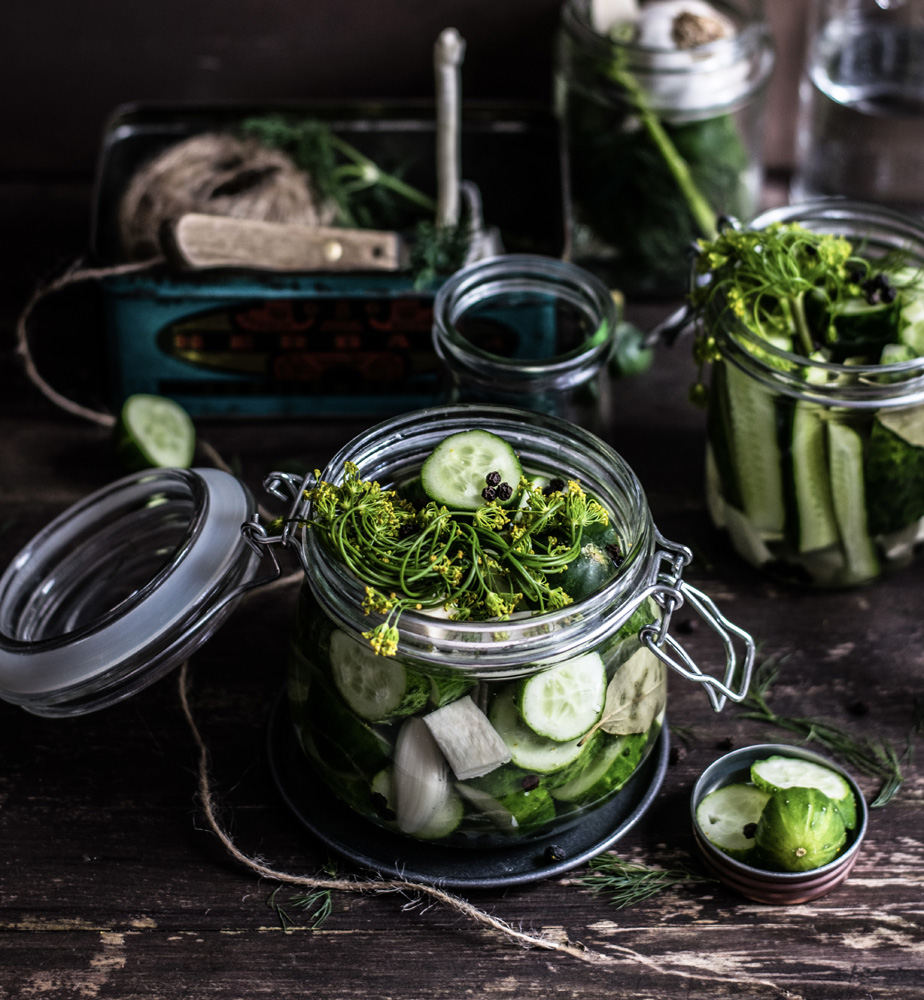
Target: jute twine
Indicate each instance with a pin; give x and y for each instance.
(213, 174)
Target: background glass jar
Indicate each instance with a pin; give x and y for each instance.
(659, 141)
(367, 722)
(815, 469)
(529, 331)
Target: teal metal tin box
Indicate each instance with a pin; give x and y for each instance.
(231, 341)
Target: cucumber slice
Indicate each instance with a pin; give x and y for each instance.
(154, 432)
(728, 818)
(756, 452)
(412, 490)
(378, 688)
(508, 779)
(744, 537)
(445, 820)
(845, 449)
(530, 751)
(564, 701)
(337, 738)
(911, 322)
(454, 473)
(814, 505)
(863, 328)
(776, 773)
(715, 501)
(611, 766)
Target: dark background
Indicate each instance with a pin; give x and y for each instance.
(66, 65)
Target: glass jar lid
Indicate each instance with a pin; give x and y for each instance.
(121, 587)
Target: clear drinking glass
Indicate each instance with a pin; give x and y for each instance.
(861, 117)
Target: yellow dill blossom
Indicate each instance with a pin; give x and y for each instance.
(383, 639)
(375, 603)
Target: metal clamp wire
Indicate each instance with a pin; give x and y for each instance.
(717, 690)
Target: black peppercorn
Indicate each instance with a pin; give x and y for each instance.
(504, 491)
(554, 853)
(492, 478)
(489, 494)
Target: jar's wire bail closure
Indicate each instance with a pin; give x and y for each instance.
(670, 592)
(290, 489)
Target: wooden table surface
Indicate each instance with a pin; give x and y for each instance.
(113, 886)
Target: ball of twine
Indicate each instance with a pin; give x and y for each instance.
(213, 174)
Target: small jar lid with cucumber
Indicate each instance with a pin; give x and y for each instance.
(778, 824)
(482, 639)
(810, 334)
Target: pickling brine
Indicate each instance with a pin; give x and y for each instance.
(448, 758)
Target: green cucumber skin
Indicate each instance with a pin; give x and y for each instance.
(718, 430)
(894, 479)
(617, 759)
(845, 446)
(756, 452)
(814, 506)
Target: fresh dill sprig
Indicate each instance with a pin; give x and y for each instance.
(625, 883)
(318, 906)
(789, 285)
(875, 758)
(438, 250)
(764, 275)
(480, 565)
(342, 175)
(704, 216)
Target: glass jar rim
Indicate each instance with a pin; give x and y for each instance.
(577, 17)
(683, 85)
(525, 274)
(508, 645)
(860, 386)
(753, 32)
